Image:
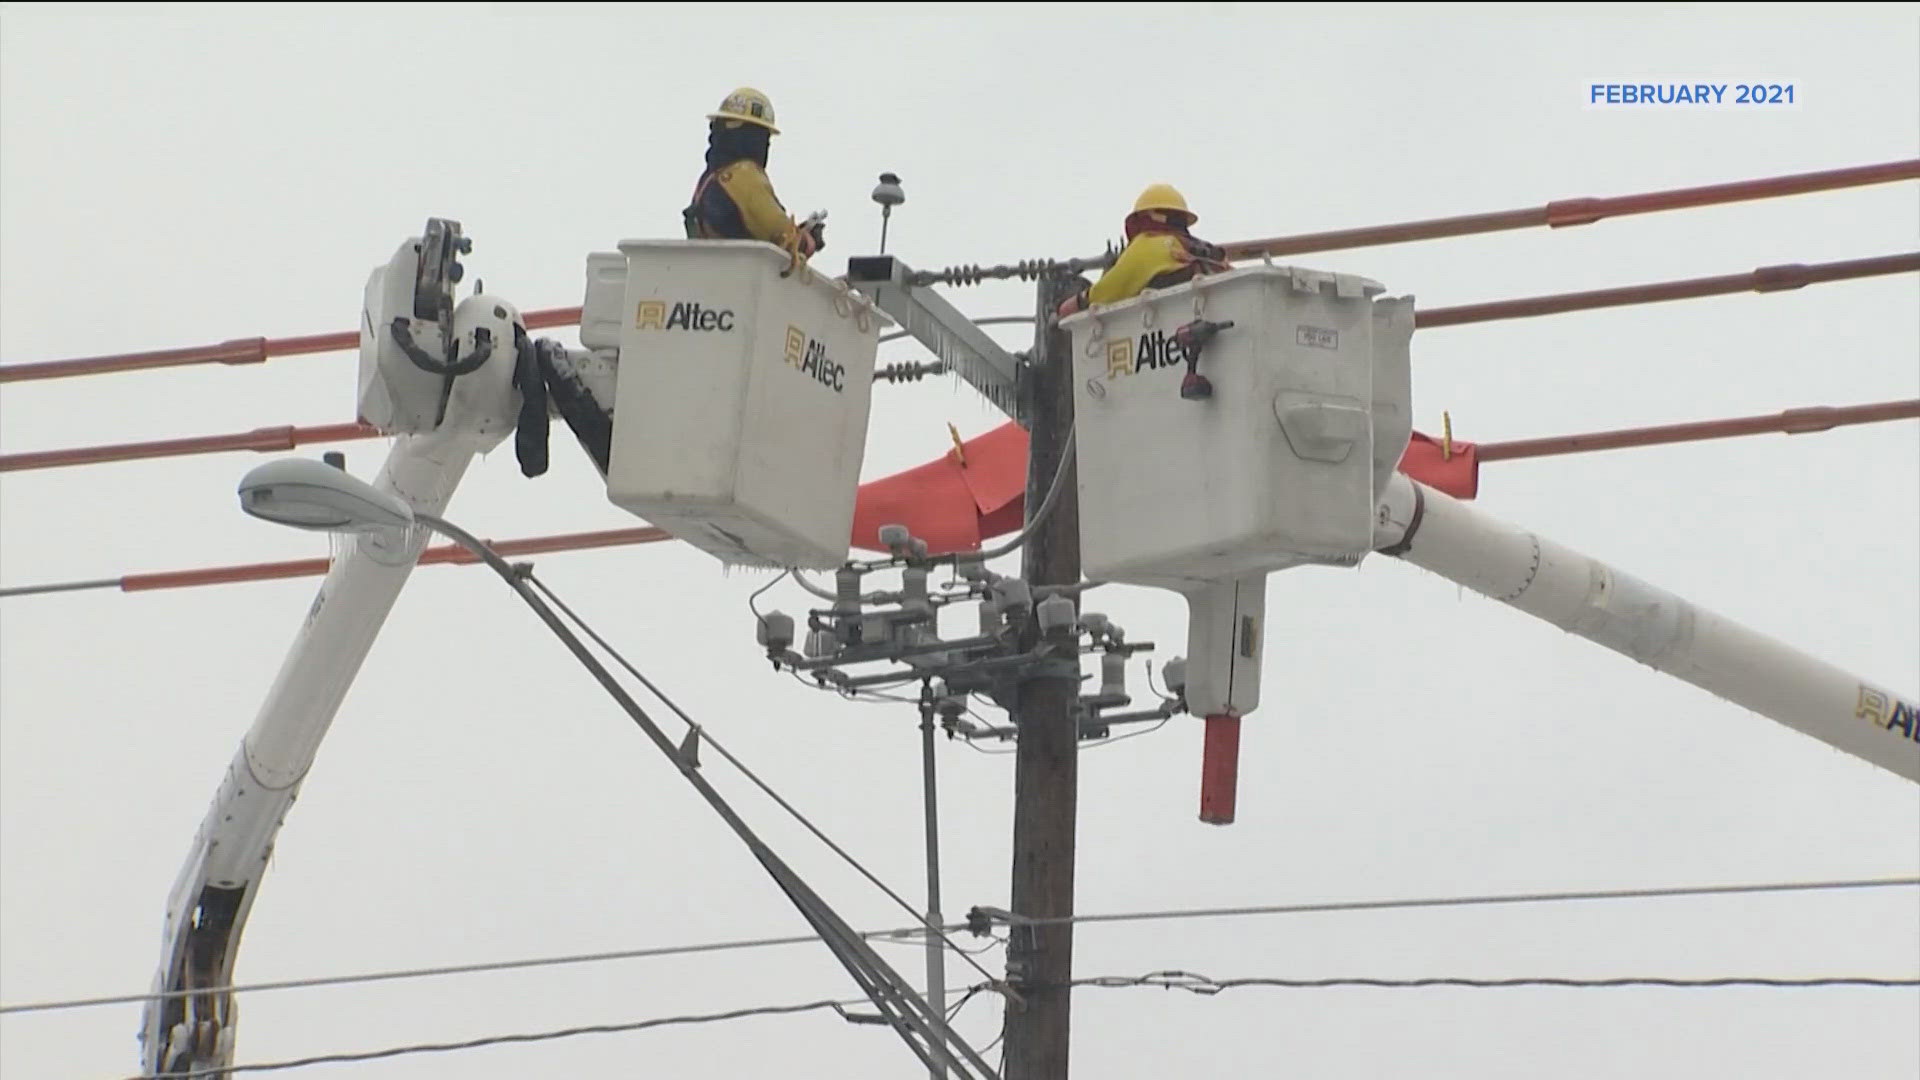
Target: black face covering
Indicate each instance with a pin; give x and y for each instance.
(743, 142)
(1156, 221)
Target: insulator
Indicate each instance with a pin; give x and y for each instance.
(1015, 598)
(775, 631)
(913, 591)
(1055, 613)
(1175, 674)
(1113, 674)
(846, 591)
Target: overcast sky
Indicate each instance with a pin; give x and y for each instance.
(190, 174)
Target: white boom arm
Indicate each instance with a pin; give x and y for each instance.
(1586, 597)
(209, 904)
(445, 413)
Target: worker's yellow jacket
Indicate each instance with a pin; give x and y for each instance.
(736, 202)
(1155, 260)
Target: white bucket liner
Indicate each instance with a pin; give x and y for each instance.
(740, 419)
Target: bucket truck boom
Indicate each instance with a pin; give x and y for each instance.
(1584, 596)
(440, 376)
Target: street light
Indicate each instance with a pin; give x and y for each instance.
(309, 494)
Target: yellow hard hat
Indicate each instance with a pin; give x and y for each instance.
(746, 105)
(1164, 197)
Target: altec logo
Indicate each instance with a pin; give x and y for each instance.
(1883, 710)
(1157, 349)
(810, 358)
(684, 315)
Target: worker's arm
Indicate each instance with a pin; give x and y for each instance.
(760, 211)
(1143, 260)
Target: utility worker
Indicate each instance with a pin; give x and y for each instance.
(734, 200)
(1160, 253)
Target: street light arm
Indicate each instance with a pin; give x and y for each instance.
(907, 1012)
(1584, 596)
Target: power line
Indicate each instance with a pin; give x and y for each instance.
(904, 932)
(708, 738)
(62, 587)
(451, 969)
(991, 945)
(271, 571)
(1202, 985)
(1766, 279)
(283, 436)
(922, 1028)
(1478, 901)
(260, 440)
(968, 743)
(1556, 214)
(1796, 421)
(1581, 211)
(253, 350)
(1123, 738)
(503, 1040)
(1790, 422)
(1166, 980)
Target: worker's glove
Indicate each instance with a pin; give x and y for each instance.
(799, 248)
(1210, 252)
(817, 233)
(1077, 300)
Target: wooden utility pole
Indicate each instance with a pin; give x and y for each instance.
(1046, 778)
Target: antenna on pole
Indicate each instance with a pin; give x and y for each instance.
(888, 194)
